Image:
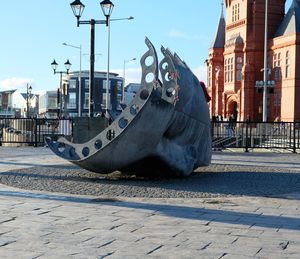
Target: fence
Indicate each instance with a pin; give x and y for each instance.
(246, 135)
(251, 135)
(32, 131)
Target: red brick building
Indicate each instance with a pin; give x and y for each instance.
(236, 60)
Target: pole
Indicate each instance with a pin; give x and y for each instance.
(92, 69)
(65, 100)
(27, 103)
(60, 95)
(79, 81)
(265, 96)
(107, 76)
(123, 88)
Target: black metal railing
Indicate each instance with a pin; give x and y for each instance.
(225, 135)
(32, 131)
(251, 135)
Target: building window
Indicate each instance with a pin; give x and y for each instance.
(277, 66)
(287, 64)
(86, 100)
(119, 84)
(239, 65)
(228, 70)
(87, 83)
(52, 102)
(225, 71)
(277, 99)
(72, 101)
(231, 70)
(235, 12)
(105, 85)
(72, 84)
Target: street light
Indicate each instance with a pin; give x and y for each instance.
(28, 93)
(79, 77)
(107, 7)
(123, 88)
(54, 67)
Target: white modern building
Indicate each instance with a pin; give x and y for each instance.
(48, 107)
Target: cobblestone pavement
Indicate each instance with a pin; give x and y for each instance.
(231, 209)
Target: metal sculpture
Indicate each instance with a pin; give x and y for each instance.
(166, 127)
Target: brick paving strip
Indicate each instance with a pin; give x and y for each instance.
(43, 224)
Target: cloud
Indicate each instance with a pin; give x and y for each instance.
(133, 75)
(173, 33)
(15, 83)
(201, 73)
(176, 34)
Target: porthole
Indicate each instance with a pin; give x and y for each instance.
(144, 94)
(61, 147)
(111, 134)
(164, 65)
(149, 78)
(85, 151)
(134, 109)
(149, 61)
(123, 123)
(98, 144)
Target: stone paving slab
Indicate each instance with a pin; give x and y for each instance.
(33, 227)
(38, 224)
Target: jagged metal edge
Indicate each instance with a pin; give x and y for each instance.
(75, 152)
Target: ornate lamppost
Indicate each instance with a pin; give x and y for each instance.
(59, 95)
(107, 7)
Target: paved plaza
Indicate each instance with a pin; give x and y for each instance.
(242, 206)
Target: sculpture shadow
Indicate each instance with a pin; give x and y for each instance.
(200, 184)
(208, 215)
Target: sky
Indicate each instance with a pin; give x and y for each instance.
(32, 35)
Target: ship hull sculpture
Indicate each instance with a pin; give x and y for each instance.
(165, 129)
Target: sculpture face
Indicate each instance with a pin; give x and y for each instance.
(166, 127)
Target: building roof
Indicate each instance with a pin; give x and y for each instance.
(8, 91)
(24, 95)
(291, 21)
(97, 73)
(219, 40)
